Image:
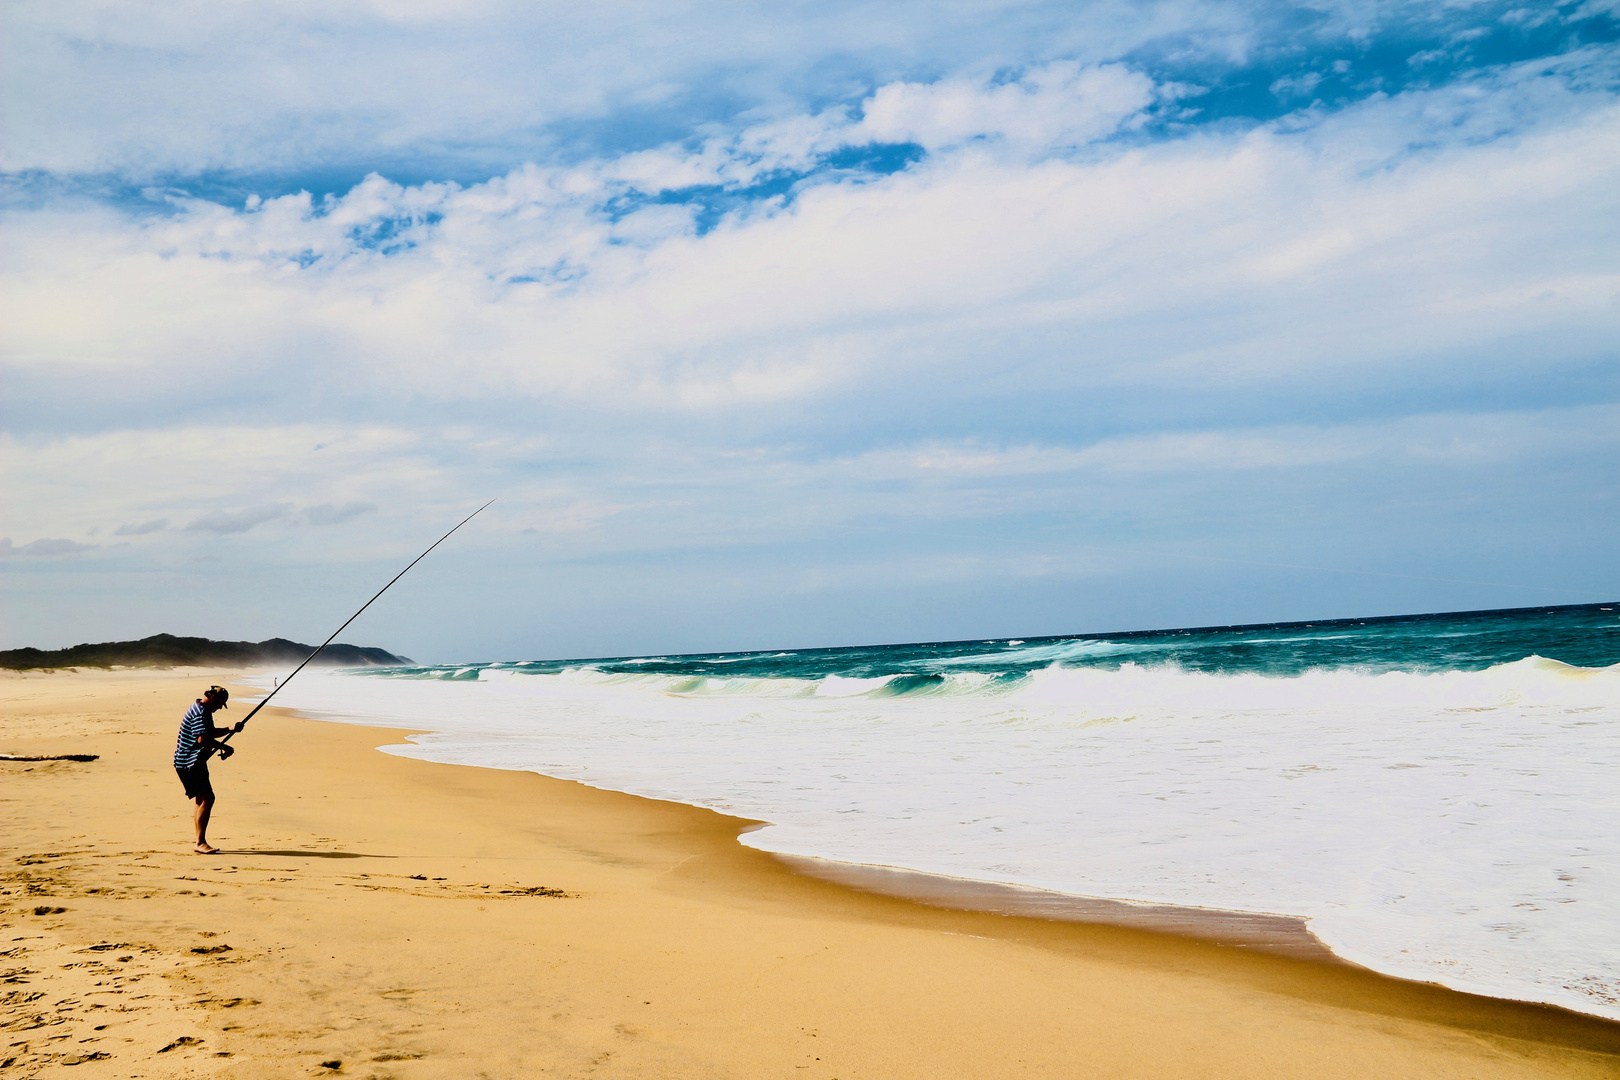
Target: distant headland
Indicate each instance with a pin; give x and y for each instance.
(166, 651)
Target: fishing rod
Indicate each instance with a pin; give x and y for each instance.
(283, 683)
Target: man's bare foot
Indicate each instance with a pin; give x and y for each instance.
(205, 849)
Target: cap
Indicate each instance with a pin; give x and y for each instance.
(220, 693)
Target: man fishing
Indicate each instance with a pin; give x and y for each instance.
(198, 739)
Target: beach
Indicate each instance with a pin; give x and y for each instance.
(375, 915)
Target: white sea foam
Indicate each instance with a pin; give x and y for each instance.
(1459, 827)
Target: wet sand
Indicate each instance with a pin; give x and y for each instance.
(1284, 935)
(377, 916)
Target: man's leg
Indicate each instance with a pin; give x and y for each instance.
(205, 807)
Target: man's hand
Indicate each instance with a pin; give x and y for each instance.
(240, 724)
(226, 751)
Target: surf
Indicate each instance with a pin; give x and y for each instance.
(1432, 794)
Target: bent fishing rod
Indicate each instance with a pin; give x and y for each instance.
(282, 684)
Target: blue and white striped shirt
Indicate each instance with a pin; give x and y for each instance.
(196, 724)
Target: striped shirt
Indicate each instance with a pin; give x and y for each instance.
(197, 723)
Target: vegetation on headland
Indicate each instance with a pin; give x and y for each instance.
(167, 651)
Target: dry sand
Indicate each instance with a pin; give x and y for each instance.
(375, 916)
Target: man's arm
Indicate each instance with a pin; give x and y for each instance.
(207, 740)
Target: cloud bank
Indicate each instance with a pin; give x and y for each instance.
(897, 316)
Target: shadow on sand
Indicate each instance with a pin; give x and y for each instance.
(303, 854)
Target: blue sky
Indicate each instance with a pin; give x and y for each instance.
(782, 325)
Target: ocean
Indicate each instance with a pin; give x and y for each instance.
(1438, 795)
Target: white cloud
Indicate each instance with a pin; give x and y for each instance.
(1181, 452)
(1296, 85)
(327, 514)
(628, 518)
(625, 491)
(1426, 442)
(1205, 257)
(223, 476)
(188, 86)
(42, 547)
(142, 529)
(225, 522)
(382, 484)
(1058, 106)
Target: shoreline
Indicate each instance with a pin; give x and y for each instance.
(1281, 935)
(386, 913)
(1404, 832)
(1255, 928)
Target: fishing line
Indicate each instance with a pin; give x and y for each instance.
(351, 618)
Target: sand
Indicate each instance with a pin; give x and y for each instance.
(375, 916)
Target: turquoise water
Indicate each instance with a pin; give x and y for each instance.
(1583, 635)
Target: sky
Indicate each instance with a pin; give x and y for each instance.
(789, 325)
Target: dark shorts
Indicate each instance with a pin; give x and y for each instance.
(196, 781)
